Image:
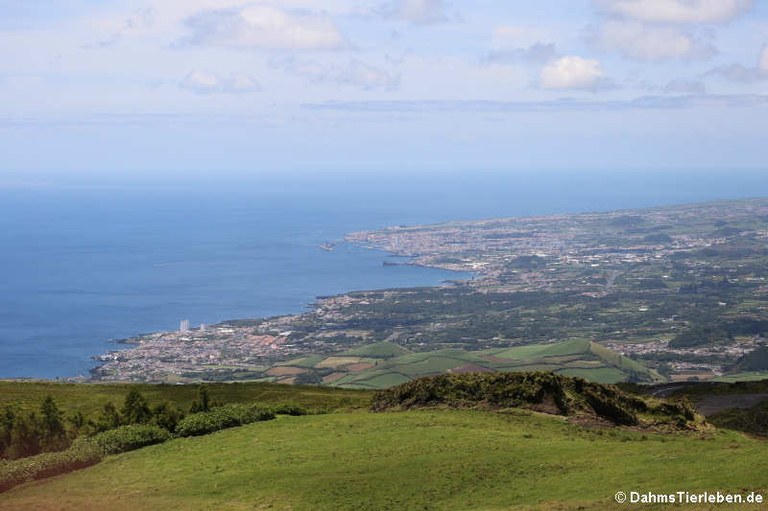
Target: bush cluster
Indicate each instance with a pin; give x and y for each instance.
(222, 417)
(125, 438)
(496, 390)
(82, 453)
(569, 396)
(113, 431)
(289, 409)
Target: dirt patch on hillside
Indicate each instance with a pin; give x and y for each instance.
(471, 368)
(712, 404)
(333, 377)
(286, 371)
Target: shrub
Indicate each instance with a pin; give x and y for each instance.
(222, 417)
(538, 391)
(15, 472)
(126, 438)
(290, 409)
(83, 453)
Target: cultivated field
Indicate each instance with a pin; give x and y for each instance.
(385, 364)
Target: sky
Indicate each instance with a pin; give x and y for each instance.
(195, 87)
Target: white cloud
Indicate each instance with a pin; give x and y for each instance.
(763, 65)
(676, 11)
(354, 73)
(203, 82)
(572, 72)
(264, 27)
(416, 11)
(641, 42)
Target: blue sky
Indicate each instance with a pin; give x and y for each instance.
(200, 86)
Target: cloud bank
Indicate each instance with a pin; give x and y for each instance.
(261, 26)
(638, 41)
(676, 11)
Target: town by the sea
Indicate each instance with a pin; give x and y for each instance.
(84, 264)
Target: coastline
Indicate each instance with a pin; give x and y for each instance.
(269, 338)
(520, 269)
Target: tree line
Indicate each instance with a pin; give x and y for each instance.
(48, 429)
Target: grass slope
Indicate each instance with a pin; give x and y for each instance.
(427, 460)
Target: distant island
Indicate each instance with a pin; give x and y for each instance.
(659, 294)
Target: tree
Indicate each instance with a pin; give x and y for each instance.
(77, 422)
(25, 436)
(166, 416)
(108, 418)
(135, 408)
(203, 402)
(52, 432)
(6, 426)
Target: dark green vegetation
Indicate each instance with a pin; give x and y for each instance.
(546, 392)
(88, 450)
(89, 399)
(222, 417)
(742, 406)
(752, 420)
(49, 442)
(423, 459)
(70, 411)
(28, 428)
(83, 452)
(754, 361)
(385, 364)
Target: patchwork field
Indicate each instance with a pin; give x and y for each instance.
(385, 364)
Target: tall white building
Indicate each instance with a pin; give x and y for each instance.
(184, 325)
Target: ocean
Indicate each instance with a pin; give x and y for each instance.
(86, 263)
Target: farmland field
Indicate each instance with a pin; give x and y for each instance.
(393, 364)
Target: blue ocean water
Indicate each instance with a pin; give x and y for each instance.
(86, 263)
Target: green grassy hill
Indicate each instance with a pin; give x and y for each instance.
(426, 459)
(487, 441)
